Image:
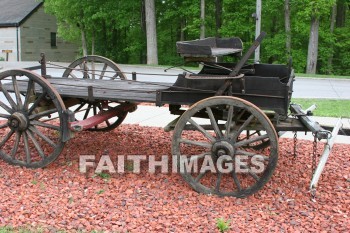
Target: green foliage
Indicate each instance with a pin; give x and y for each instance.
(104, 176)
(222, 224)
(34, 182)
(100, 191)
(118, 29)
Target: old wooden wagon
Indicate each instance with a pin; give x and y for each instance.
(226, 111)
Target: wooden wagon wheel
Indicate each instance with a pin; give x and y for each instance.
(261, 144)
(211, 149)
(96, 67)
(28, 137)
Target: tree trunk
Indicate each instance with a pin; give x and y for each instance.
(313, 46)
(341, 13)
(83, 43)
(182, 29)
(93, 44)
(333, 20)
(218, 18)
(202, 33)
(287, 26)
(142, 54)
(151, 32)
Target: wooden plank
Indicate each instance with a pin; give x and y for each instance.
(102, 89)
(109, 84)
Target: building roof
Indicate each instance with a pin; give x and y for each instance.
(15, 12)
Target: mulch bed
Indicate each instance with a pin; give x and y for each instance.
(59, 197)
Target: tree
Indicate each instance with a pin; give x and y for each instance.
(118, 29)
(316, 9)
(202, 34)
(218, 17)
(288, 26)
(151, 32)
(332, 26)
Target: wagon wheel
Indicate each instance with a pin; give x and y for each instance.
(96, 67)
(28, 137)
(261, 144)
(210, 146)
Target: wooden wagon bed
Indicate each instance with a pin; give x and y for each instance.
(113, 90)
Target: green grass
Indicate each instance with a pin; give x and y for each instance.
(19, 230)
(321, 76)
(326, 107)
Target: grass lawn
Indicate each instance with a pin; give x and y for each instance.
(321, 76)
(326, 108)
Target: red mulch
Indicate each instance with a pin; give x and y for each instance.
(59, 197)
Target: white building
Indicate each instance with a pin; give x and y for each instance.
(26, 31)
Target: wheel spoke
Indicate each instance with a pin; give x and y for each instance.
(36, 145)
(72, 74)
(36, 102)
(202, 144)
(17, 93)
(232, 134)
(87, 112)
(213, 122)
(42, 124)
(251, 140)
(251, 173)
(103, 71)
(218, 182)
(8, 97)
(16, 145)
(229, 121)
(201, 175)
(4, 115)
(115, 76)
(236, 180)
(6, 138)
(80, 107)
(7, 108)
(245, 124)
(30, 88)
(26, 148)
(42, 114)
(44, 137)
(202, 130)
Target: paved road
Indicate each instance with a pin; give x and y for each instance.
(303, 87)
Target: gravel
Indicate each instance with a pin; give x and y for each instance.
(59, 197)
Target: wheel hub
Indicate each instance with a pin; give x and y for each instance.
(18, 121)
(221, 148)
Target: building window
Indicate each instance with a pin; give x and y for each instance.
(53, 39)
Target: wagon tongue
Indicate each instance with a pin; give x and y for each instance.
(320, 133)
